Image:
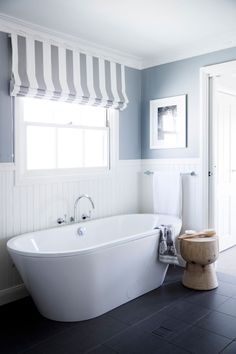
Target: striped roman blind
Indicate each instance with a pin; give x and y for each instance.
(45, 70)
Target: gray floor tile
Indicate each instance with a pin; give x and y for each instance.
(141, 308)
(174, 274)
(228, 307)
(21, 326)
(146, 305)
(230, 349)
(102, 349)
(186, 311)
(163, 326)
(80, 338)
(219, 323)
(200, 341)
(134, 312)
(226, 278)
(139, 342)
(209, 299)
(226, 289)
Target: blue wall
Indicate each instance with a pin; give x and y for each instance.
(177, 78)
(130, 119)
(6, 117)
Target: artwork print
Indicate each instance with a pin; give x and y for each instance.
(168, 123)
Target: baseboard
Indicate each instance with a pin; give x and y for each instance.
(12, 294)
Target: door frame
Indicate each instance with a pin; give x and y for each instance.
(206, 73)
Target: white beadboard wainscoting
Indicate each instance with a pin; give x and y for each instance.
(192, 211)
(26, 208)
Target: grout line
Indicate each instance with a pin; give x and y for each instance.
(178, 345)
(226, 346)
(211, 331)
(147, 318)
(100, 345)
(47, 339)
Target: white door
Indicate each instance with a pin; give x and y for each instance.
(223, 158)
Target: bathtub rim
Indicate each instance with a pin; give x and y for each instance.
(88, 250)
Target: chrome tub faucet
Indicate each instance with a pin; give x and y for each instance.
(84, 216)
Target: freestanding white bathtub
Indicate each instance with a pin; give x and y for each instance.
(74, 278)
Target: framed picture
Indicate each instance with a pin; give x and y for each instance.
(168, 123)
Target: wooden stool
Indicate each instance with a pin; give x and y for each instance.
(200, 254)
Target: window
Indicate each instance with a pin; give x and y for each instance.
(60, 137)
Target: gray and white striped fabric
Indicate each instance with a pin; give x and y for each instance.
(45, 70)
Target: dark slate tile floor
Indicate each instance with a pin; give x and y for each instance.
(171, 319)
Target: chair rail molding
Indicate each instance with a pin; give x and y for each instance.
(178, 161)
(5, 166)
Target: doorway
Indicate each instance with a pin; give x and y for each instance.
(219, 155)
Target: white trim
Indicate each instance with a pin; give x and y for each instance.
(205, 74)
(132, 162)
(204, 143)
(129, 163)
(60, 175)
(222, 89)
(228, 67)
(11, 24)
(5, 166)
(114, 138)
(181, 161)
(12, 294)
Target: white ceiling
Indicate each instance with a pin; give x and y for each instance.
(155, 31)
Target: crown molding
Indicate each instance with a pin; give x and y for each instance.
(10, 24)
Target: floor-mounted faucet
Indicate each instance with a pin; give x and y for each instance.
(84, 216)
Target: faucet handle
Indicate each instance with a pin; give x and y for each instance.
(85, 216)
(62, 221)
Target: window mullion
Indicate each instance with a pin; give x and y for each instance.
(56, 147)
(24, 146)
(83, 139)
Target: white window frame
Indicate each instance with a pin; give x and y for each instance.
(24, 176)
